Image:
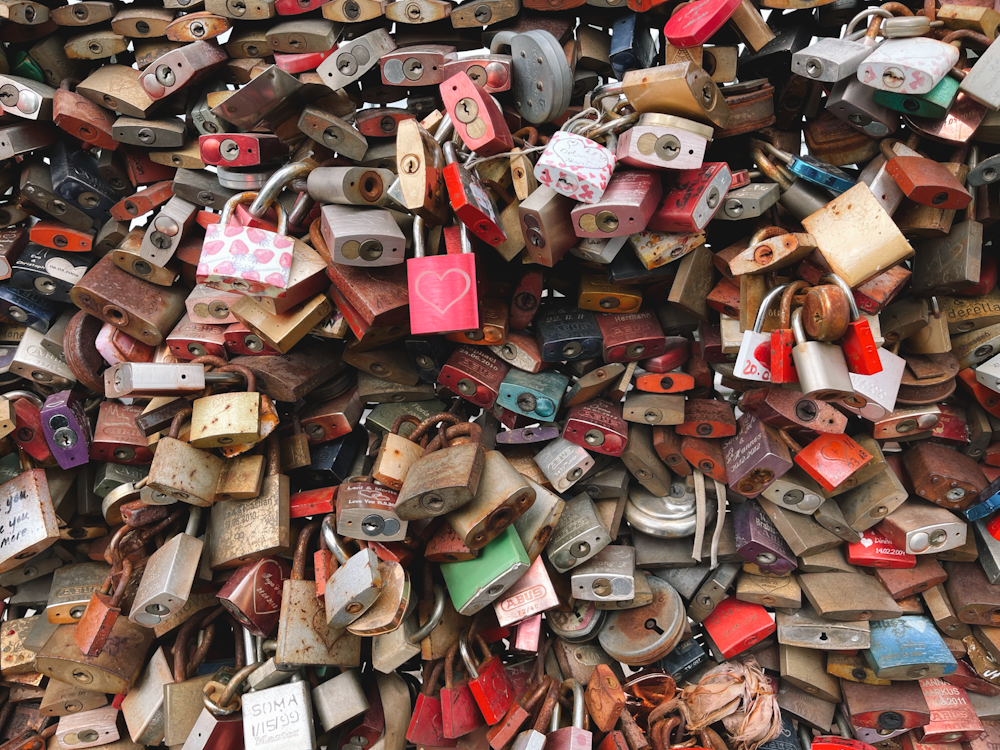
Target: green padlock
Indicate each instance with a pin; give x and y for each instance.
(475, 583)
(935, 103)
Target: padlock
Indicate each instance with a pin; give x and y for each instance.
(244, 530)
(252, 594)
(488, 681)
(626, 204)
(822, 368)
(66, 428)
(470, 202)
(702, 192)
(250, 416)
(365, 510)
(474, 584)
(920, 529)
(908, 648)
(445, 286)
(366, 237)
(426, 491)
(597, 425)
(169, 575)
(459, 713)
(757, 349)
(477, 117)
(425, 722)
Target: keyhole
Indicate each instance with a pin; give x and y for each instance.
(650, 624)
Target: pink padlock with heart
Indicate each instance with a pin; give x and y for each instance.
(442, 288)
(243, 259)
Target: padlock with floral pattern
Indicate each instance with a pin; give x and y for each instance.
(243, 259)
(577, 166)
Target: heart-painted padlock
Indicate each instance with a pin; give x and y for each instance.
(753, 362)
(248, 260)
(577, 166)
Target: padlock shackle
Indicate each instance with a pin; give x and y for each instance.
(846, 289)
(177, 421)
(248, 197)
(878, 12)
(432, 421)
(776, 152)
(274, 185)
(333, 542)
(450, 154)
(449, 665)
(466, 429)
(885, 146)
(299, 559)
(226, 706)
(787, 297)
(245, 371)
(445, 129)
(769, 298)
(432, 674)
(419, 238)
(28, 396)
(467, 658)
(548, 710)
(194, 521)
(432, 622)
(797, 330)
(579, 707)
(770, 170)
(596, 97)
(273, 453)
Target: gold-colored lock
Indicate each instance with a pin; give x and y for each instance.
(245, 530)
(933, 338)
(117, 87)
(85, 13)
(72, 586)
(599, 295)
(241, 478)
(692, 284)
(227, 418)
(198, 26)
(295, 448)
(61, 699)
(420, 165)
(282, 331)
(188, 157)
(114, 671)
(16, 658)
(96, 44)
(245, 43)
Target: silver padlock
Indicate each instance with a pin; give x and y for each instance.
(355, 58)
(749, 201)
(563, 463)
(607, 576)
(390, 651)
(340, 699)
(279, 718)
(822, 368)
(169, 575)
(578, 536)
(831, 60)
(354, 586)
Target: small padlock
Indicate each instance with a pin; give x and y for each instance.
(756, 355)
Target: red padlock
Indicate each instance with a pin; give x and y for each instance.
(426, 724)
(598, 426)
(876, 551)
(734, 626)
(459, 713)
(241, 149)
(858, 343)
(830, 459)
(783, 339)
(471, 203)
(696, 22)
(490, 683)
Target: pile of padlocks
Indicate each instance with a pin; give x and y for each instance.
(509, 374)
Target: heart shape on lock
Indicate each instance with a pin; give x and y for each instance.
(580, 153)
(439, 289)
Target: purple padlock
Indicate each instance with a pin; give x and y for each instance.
(66, 428)
(524, 435)
(755, 456)
(758, 541)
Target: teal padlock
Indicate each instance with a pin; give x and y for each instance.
(935, 103)
(473, 584)
(535, 395)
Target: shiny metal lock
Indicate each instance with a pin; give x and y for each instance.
(538, 64)
(672, 516)
(563, 463)
(92, 728)
(749, 201)
(169, 575)
(72, 586)
(355, 59)
(339, 699)
(352, 589)
(822, 368)
(661, 141)
(279, 717)
(831, 60)
(578, 536)
(923, 528)
(607, 576)
(362, 236)
(142, 708)
(537, 396)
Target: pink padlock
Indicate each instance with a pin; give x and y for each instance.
(248, 260)
(576, 166)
